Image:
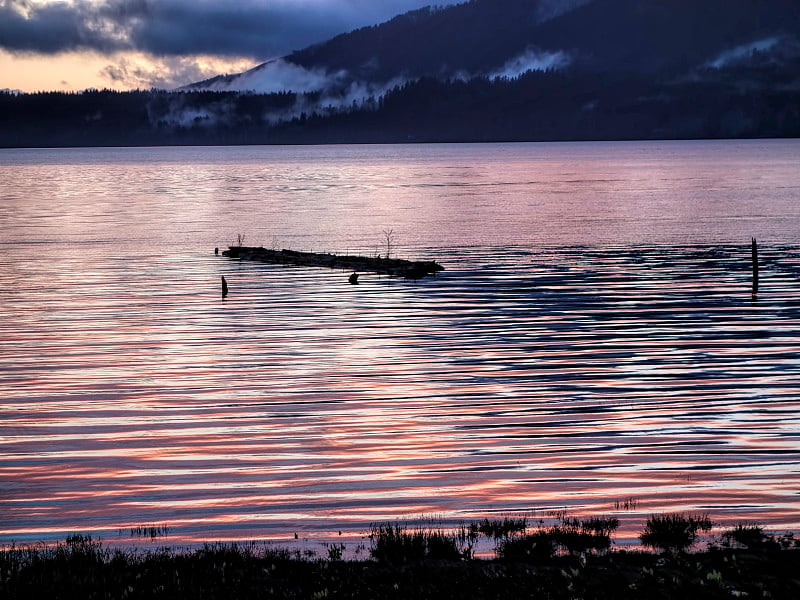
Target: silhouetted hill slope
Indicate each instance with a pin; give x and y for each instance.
(648, 35)
(470, 38)
(481, 35)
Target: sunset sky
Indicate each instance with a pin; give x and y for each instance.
(127, 44)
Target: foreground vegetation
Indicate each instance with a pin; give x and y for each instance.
(568, 559)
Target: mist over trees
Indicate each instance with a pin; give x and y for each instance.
(536, 106)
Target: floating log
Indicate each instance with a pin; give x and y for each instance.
(390, 266)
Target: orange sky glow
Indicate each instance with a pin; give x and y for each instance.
(77, 71)
(72, 45)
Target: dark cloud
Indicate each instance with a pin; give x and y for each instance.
(255, 28)
(48, 29)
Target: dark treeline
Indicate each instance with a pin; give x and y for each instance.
(538, 106)
(542, 106)
(109, 118)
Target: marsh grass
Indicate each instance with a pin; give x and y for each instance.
(151, 531)
(397, 543)
(744, 536)
(499, 529)
(535, 547)
(751, 536)
(674, 532)
(425, 561)
(335, 551)
(629, 503)
(568, 535)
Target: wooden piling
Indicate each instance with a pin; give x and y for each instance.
(754, 251)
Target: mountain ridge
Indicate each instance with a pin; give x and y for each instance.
(478, 37)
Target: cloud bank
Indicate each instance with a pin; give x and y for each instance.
(134, 71)
(275, 76)
(321, 91)
(741, 53)
(258, 29)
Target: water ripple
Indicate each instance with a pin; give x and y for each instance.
(554, 378)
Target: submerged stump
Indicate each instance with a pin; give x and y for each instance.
(390, 266)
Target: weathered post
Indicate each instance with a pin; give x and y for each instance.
(754, 251)
(224, 287)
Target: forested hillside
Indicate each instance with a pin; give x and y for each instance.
(538, 106)
(606, 35)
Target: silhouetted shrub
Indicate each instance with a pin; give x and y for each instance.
(575, 535)
(744, 536)
(534, 547)
(570, 535)
(673, 532)
(396, 544)
(600, 525)
(497, 529)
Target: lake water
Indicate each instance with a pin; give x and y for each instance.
(593, 345)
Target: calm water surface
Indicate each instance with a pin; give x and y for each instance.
(593, 345)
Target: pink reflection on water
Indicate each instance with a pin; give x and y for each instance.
(562, 379)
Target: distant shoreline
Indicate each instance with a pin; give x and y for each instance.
(345, 142)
